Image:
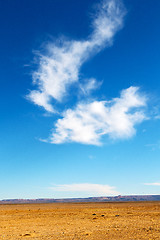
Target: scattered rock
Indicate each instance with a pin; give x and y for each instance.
(26, 234)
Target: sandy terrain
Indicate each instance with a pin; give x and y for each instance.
(81, 221)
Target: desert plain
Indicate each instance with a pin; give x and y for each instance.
(80, 221)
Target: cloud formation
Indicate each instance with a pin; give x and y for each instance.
(60, 67)
(89, 122)
(90, 189)
(152, 184)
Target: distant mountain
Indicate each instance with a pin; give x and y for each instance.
(90, 199)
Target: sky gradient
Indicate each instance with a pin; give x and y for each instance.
(80, 112)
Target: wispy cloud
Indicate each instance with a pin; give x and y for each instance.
(86, 188)
(154, 146)
(89, 85)
(60, 67)
(89, 122)
(157, 117)
(152, 184)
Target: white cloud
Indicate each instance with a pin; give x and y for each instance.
(41, 99)
(157, 117)
(89, 85)
(89, 122)
(152, 184)
(60, 67)
(86, 188)
(154, 146)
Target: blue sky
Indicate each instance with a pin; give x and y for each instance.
(80, 112)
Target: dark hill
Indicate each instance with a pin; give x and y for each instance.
(89, 199)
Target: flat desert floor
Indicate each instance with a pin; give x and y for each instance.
(133, 220)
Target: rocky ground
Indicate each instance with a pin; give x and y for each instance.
(80, 221)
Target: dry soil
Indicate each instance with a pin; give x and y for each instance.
(92, 221)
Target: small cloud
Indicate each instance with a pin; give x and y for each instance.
(91, 157)
(153, 146)
(157, 117)
(89, 85)
(155, 112)
(26, 65)
(43, 140)
(86, 188)
(152, 184)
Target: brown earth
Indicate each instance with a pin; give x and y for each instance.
(80, 221)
